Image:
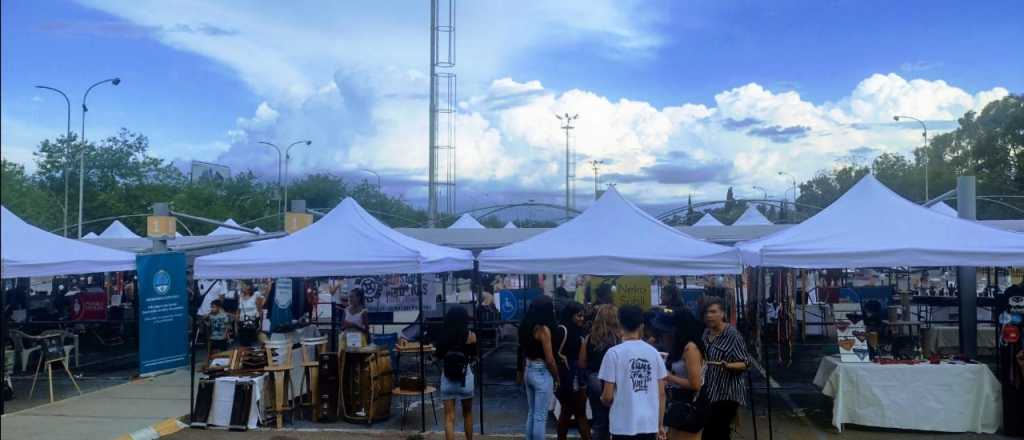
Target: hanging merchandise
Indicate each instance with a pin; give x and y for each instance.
(281, 314)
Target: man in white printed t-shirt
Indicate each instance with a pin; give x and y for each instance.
(634, 382)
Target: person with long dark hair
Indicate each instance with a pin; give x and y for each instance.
(456, 346)
(685, 364)
(536, 367)
(570, 394)
(605, 333)
(727, 359)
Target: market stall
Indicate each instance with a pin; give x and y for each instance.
(27, 251)
(346, 242)
(32, 252)
(612, 237)
(871, 226)
(948, 397)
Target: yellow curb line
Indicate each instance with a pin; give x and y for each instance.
(160, 429)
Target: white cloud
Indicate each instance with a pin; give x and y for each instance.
(356, 85)
(879, 97)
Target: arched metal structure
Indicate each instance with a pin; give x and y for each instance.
(487, 211)
(674, 212)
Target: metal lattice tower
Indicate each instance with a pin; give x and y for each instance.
(441, 168)
(570, 162)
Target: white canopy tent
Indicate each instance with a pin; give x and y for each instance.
(708, 220)
(943, 208)
(613, 237)
(32, 252)
(118, 230)
(90, 235)
(227, 231)
(872, 226)
(259, 230)
(751, 217)
(348, 241)
(466, 222)
(510, 225)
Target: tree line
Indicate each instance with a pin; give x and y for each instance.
(988, 145)
(122, 180)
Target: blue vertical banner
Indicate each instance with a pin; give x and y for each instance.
(163, 312)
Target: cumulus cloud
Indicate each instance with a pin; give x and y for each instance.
(356, 85)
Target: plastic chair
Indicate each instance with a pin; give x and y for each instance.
(279, 366)
(24, 350)
(312, 348)
(55, 351)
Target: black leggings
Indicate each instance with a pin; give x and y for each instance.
(719, 422)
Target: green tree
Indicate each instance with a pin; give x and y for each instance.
(28, 199)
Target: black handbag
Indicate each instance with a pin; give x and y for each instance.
(689, 415)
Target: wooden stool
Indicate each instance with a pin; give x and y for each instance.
(311, 350)
(53, 352)
(279, 366)
(406, 395)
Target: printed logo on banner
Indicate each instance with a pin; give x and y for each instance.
(634, 290)
(161, 282)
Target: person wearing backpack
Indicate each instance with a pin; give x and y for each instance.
(456, 347)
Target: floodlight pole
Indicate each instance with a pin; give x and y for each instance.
(567, 120)
(595, 164)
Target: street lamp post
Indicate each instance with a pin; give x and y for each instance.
(379, 184)
(81, 156)
(568, 120)
(67, 151)
(783, 173)
(924, 134)
(280, 158)
(763, 191)
(595, 164)
(287, 156)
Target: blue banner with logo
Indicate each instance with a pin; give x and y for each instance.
(163, 311)
(512, 303)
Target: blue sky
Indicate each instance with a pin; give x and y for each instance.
(678, 98)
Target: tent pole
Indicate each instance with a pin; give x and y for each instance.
(767, 378)
(192, 361)
(334, 325)
(3, 347)
(423, 375)
(750, 382)
(477, 292)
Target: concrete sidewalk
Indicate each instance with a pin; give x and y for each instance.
(105, 414)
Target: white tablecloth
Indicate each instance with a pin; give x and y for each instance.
(224, 396)
(945, 397)
(945, 339)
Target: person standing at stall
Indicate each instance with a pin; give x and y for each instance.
(604, 334)
(456, 347)
(355, 319)
(683, 416)
(727, 359)
(571, 394)
(250, 305)
(634, 382)
(536, 367)
(219, 323)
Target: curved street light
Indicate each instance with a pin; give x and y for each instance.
(924, 134)
(379, 185)
(287, 156)
(764, 191)
(67, 151)
(81, 161)
(280, 158)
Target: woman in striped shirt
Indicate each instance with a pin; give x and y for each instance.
(727, 359)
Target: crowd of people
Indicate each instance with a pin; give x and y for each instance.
(660, 374)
